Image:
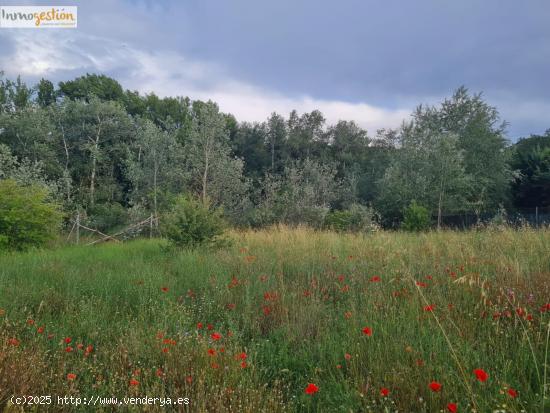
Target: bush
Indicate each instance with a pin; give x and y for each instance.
(107, 216)
(358, 218)
(27, 218)
(416, 218)
(191, 224)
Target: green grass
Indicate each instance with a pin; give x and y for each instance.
(487, 289)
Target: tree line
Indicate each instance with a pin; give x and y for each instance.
(117, 156)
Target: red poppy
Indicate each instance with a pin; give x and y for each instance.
(520, 312)
(435, 386)
(89, 348)
(189, 379)
(311, 389)
(222, 349)
(481, 375)
(69, 349)
(243, 364)
(216, 336)
(159, 372)
(199, 325)
(347, 356)
(211, 351)
(71, 376)
(80, 346)
(421, 284)
(13, 342)
(30, 322)
(452, 407)
(134, 382)
(266, 310)
(430, 307)
(209, 327)
(68, 340)
(341, 278)
(164, 289)
(165, 350)
(375, 279)
(512, 393)
(384, 392)
(231, 306)
(40, 330)
(338, 366)
(367, 331)
(242, 356)
(215, 365)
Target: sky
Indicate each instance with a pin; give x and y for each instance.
(371, 61)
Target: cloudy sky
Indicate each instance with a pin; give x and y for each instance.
(371, 61)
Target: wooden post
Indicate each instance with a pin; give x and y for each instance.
(77, 227)
(536, 216)
(151, 226)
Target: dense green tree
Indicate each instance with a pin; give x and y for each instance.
(216, 176)
(249, 143)
(302, 195)
(86, 87)
(481, 138)
(428, 168)
(46, 94)
(531, 159)
(98, 134)
(154, 166)
(276, 137)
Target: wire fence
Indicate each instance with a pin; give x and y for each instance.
(535, 217)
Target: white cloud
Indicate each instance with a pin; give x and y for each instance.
(168, 74)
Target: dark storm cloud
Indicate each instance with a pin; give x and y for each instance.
(387, 54)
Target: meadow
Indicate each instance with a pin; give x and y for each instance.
(283, 319)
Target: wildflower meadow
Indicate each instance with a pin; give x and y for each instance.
(283, 319)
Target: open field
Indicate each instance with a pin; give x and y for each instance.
(370, 321)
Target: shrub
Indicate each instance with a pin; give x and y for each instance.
(27, 217)
(357, 218)
(190, 224)
(107, 216)
(416, 218)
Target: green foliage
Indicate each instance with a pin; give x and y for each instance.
(107, 216)
(416, 218)
(84, 87)
(191, 224)
(358, 218)
(531, 160)
(302, 195)
(27, 218)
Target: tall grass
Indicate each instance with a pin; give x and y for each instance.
(295, 302)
